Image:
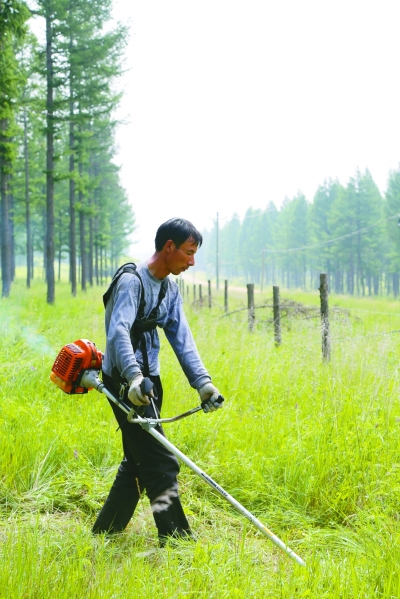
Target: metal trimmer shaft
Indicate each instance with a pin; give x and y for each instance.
(90, 379)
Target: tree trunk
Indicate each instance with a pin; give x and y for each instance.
(352, 278)
(337, 281)
(369, 284)
(27, 206)
(5, 217)
(96, 250)
(387, 285)
(72, 211)
(32, 256)
(395, 284)
(82, 248)
(90, 252)
(358, 281)
(376, 284)
(44, 269)
(96, 228)
(60, 245)
(101, 265)
(82, 235)
(12, 233)
(90, 256)
(49, 164)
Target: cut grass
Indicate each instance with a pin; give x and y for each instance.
(311, 448)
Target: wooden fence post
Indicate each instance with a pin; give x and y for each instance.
(200, 295)
(277, 316)
(194, 293)
(326, 342)
(209, 293)
(226, 295)
(250, 305)
(187, 292)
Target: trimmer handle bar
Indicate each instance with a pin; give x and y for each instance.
(90, 378)
(76, 370)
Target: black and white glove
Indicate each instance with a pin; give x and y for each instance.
(211, 399)
(135, 393)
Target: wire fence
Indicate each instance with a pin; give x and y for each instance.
(285, 309)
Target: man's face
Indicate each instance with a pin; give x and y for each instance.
(180, 259)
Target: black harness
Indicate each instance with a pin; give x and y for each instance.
(141, 324)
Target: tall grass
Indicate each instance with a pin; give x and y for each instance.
(311, 448)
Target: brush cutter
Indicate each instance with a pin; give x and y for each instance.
(76, 370)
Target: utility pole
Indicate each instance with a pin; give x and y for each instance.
(217, 256)
(262, 268)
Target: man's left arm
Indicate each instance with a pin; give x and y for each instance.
(180, 337)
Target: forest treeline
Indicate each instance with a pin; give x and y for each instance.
(60, 190)
(350, 232)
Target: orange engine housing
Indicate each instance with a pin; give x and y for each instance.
(71, 361)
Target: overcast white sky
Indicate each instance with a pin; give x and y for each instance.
(234, 103)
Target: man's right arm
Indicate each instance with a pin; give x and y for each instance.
(121, 312)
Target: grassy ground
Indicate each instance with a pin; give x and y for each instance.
(311, 449)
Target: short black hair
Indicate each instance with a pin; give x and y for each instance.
(179, 230)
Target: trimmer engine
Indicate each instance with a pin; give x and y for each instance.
(74, 359)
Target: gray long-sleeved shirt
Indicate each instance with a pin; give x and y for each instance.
(121, 312)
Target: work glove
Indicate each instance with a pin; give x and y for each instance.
(135, 393)
(211, 399)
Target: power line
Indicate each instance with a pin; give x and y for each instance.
(226, 219)
(329, 241)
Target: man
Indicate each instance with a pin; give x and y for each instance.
(138, 300)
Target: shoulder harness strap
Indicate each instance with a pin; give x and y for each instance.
(141, 324)
(129, 267)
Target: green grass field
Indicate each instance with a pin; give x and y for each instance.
(311, 449)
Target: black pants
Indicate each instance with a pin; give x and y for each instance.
(147, 466)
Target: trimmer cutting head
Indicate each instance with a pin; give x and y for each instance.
(71, 362)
